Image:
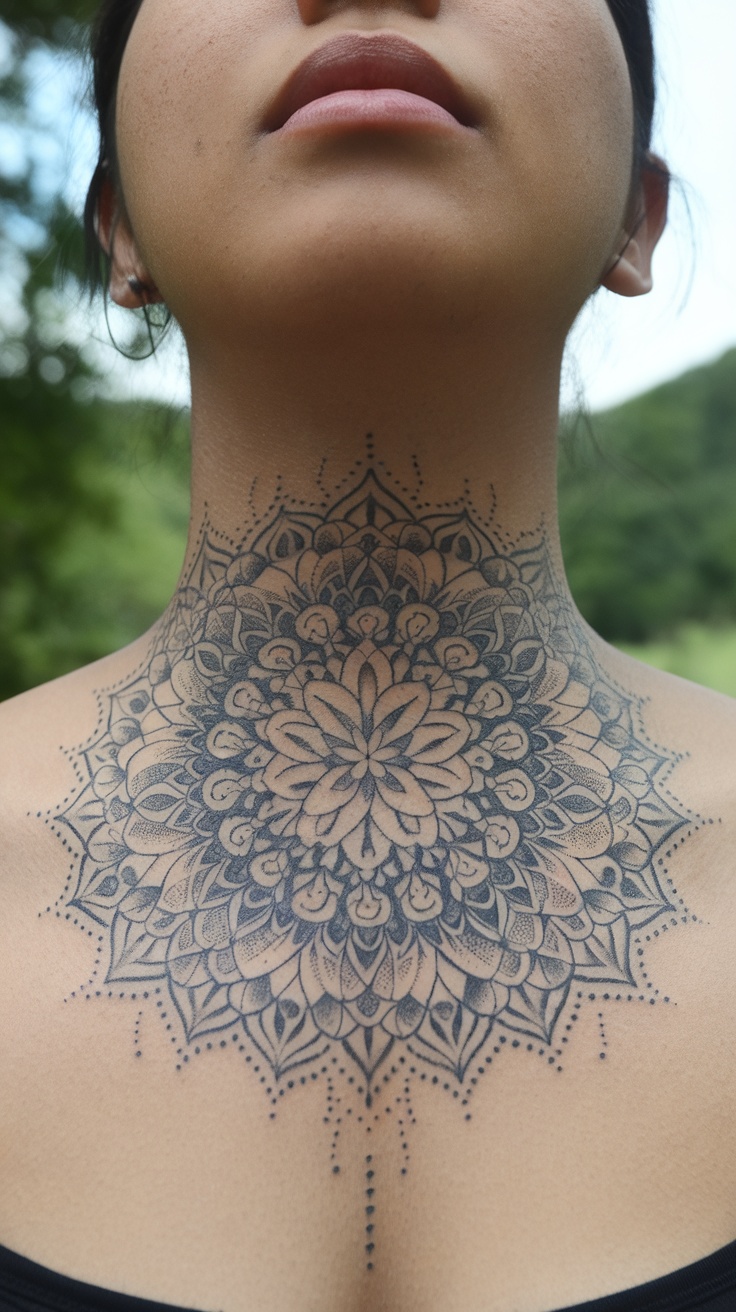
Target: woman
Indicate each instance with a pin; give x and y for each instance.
(396, 968)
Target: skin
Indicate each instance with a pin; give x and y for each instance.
(421, 289)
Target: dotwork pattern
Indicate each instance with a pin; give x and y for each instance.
(371, 788)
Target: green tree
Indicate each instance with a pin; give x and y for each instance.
(44, 430)
(647, 508)
(46, 20)
(58, 483)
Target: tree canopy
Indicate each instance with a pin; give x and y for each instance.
(47, 20)
(53, 432)
(647, 510)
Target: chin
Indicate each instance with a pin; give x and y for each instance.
(393, 261)
(363, 269)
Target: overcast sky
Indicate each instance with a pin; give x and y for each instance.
(624, 347)
(620, 347)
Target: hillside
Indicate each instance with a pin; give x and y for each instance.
(648, 507)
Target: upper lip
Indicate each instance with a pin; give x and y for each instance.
(367, 61)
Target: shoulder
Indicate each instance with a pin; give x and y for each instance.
(690, 711)
(44, 731)
(693, 729)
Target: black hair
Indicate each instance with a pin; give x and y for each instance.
(634, 22)
(109, 38)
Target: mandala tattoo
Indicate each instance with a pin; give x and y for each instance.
(371, 789)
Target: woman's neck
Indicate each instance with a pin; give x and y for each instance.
(464, 424)
(377, 780)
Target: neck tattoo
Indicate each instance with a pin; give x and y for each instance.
(372, 806)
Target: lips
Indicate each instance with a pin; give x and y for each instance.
(368, 62)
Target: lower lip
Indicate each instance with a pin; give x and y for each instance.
(381, 109)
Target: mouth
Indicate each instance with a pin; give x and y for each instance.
(375, 80)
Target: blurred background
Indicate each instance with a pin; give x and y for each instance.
(94, 447)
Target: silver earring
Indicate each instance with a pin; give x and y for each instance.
(136, 286)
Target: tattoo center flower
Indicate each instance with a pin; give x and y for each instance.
(367, 760)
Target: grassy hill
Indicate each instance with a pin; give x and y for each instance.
(648, 508)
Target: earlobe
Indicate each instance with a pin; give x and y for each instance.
(630, 274)
(130, 284)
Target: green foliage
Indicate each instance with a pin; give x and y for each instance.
(704, 653)
(93, 513)
(46, 20)
(69, 496)
(42, 436)
(647, 508)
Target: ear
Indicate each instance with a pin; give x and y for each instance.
(130, 283)
(631, 274)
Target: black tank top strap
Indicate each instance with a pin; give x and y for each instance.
(708, 1285)
(25, 1286)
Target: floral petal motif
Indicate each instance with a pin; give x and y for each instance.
(331, 830)
(181, 883)
(228, 739)
(262, 951)
(514, 790)
(456, 653)
(268, 868)
(401, 791)
(473, 953)
(502, 835)
(145, 838)
(417, 623)
(290, 781)
(445, 781)
(223, 788)
(468, 868)
(334, 709)
(367, 673)
(333, 792)
(245, 699)
(440, 735)
(420, 900)
(318, 624)
(295, 735)
(281, 654)
(491, 700)
(317, 902)
(369, 622)
(367, 846)
(368, 906)
(400, 709)
(236, 835)
(510, 741)
(403, 828)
